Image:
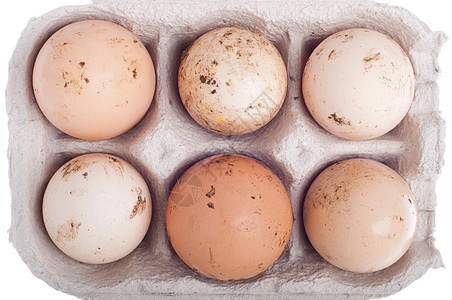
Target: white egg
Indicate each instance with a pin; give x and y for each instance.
(97, 208)
(358, 84)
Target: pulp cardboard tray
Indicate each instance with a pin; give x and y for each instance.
(167, 141)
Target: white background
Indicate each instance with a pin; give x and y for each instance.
(16, 280)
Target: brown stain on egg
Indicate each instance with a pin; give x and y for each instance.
(333, 54)
(117, 165)
(68, 231)
(372, 57)
(339, 120)
(209, 80)
(211, 259)
(140, 205)
(72, 166)
(114, 42)
(211, 193)
(71, 82)
(133, 67)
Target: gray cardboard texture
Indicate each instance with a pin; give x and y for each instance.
(167, 141)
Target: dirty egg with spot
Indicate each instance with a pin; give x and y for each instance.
(229, 217)
(358, 84)
(360, 215)
(232, 80)
(97, 208)
(93, 79)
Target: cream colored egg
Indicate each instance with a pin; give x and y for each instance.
(360, 215)
(232, 80)
(93, 79)
(358, 84)
(229, 217)
(97, 208)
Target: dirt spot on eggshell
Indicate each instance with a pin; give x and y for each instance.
(68, 231)
(72, 167)
(319, 51)
(345, 37)
(333, 54)
(211, 259)
(398, 218)
(133, 67)
(207, 80)
(140, 205)
(71, 82)
(370, 59)
(247, 226)
(211, 193)
(114, 42)
(339, 120)
(116, 165)
(282, 239)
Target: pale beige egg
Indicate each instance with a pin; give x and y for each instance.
(358, 84)
(360, 215)
(97, 208)
(93, 79)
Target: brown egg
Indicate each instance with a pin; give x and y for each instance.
(93, 79)
(229, 217)
(360, 215)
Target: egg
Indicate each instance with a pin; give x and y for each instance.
(358, 84)
(93, 79)
(232, 80)
(229, 217)
(97, 208)
(360, 215)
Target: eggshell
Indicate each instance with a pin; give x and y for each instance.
(360, 215)
(97, 208)
(93, 79)
(358, 84)
(232, 80)
(229, 217)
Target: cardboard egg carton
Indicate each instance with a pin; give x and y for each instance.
(167, 141)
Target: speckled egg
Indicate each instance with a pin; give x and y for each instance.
(360, 215)
(232, 80)
(97, 208)
(358, 84)
(93, 79)
(229, 217)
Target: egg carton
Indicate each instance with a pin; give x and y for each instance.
(167, 141)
